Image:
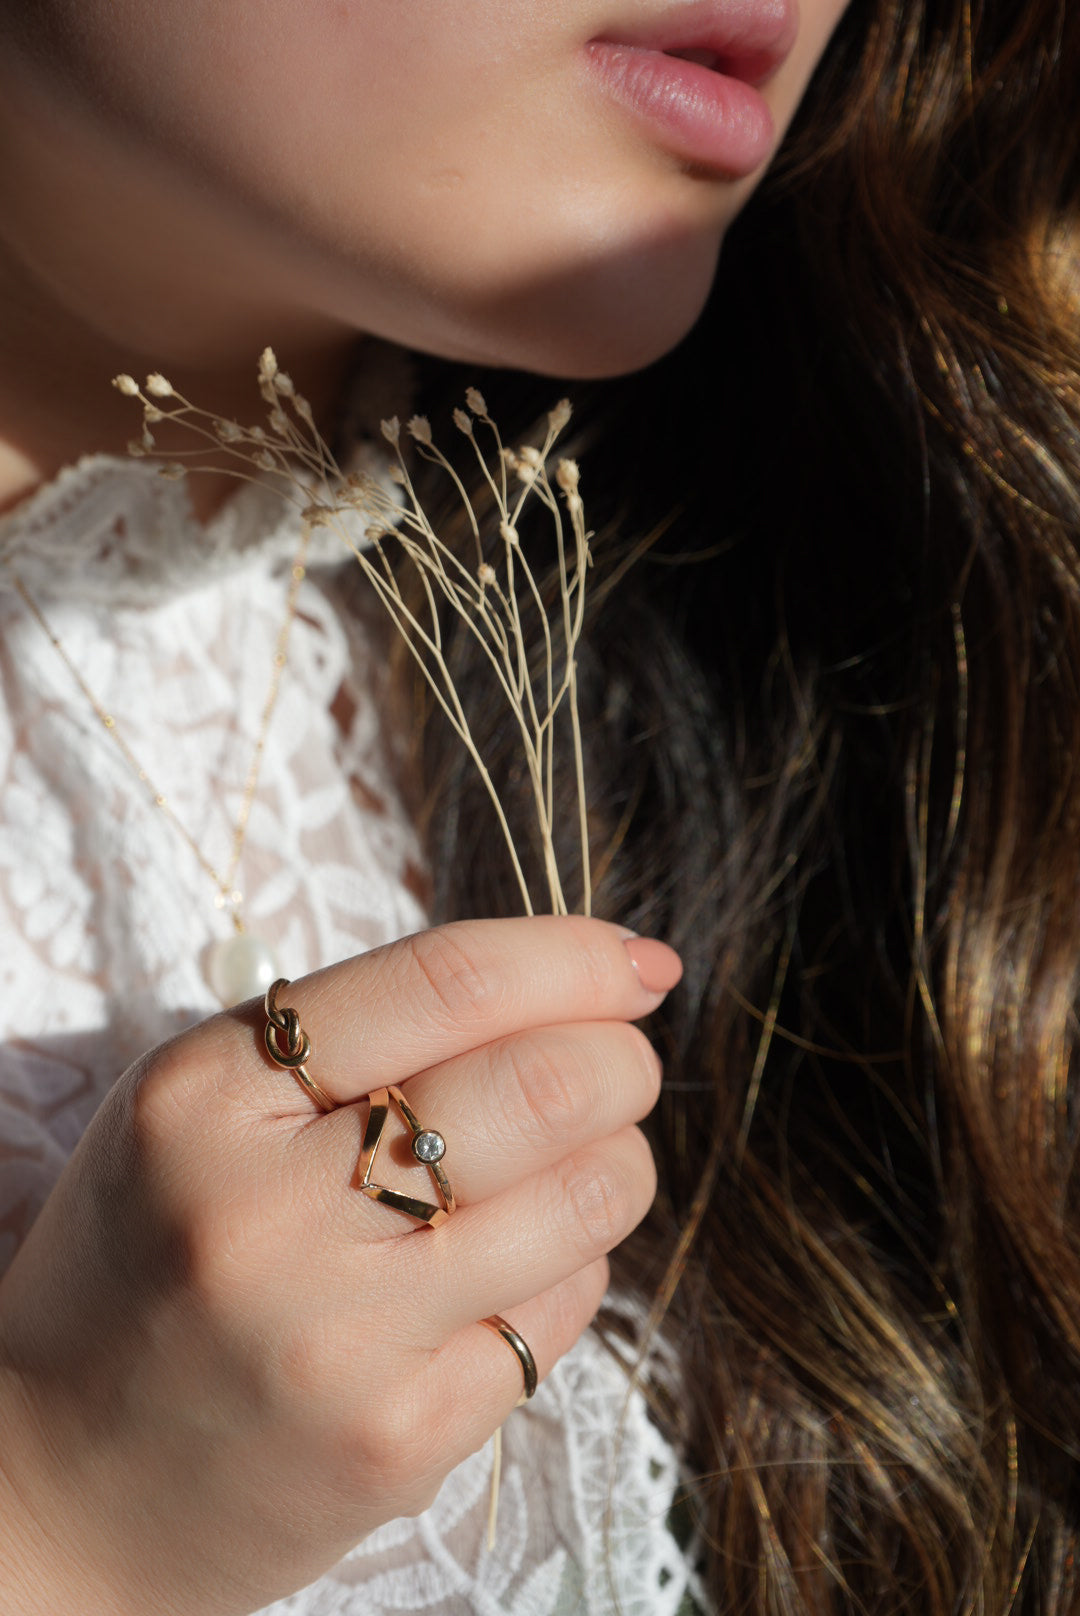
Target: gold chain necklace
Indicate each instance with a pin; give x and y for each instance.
(243, 965)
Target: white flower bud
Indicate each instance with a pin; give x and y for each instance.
(558, 417)
(509, 532)
(474, 398)
(420, 429)
(567, 476)
(463, 422)
(391, 429)
(486, 574)
(126, 384)
(157, 385)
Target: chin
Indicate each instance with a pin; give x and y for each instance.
(612, 319)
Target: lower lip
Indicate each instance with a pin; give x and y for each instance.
(703, 117)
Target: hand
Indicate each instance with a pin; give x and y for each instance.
(221, 1365)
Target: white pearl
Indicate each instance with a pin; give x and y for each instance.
(241, 967)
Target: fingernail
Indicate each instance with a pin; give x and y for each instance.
(657, 965)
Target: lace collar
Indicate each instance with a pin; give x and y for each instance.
(110, 530)
(113, 531)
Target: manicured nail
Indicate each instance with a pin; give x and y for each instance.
(657, 965)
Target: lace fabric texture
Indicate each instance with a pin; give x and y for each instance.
(105, 917)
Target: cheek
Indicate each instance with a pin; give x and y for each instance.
(434, 171)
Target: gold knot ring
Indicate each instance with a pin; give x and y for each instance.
(297, 1045)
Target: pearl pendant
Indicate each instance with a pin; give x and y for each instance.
(241, 967)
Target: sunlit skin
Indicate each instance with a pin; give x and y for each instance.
(184, 181)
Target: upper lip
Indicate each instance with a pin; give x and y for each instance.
(747, 39)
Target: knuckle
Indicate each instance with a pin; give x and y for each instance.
(593, 938)
(643, 1176)
(422, 1496)
(156, 1103)
(388, 1451)
(461, 986)
(546, 1088)
(595, 1194)
(637, 1049)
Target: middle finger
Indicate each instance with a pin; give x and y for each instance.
(506, 1110)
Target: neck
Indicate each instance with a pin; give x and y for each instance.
(57, 402)
(105, 267)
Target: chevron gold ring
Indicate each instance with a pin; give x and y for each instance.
(428, 1147)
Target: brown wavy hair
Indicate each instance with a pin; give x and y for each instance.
(834, 711)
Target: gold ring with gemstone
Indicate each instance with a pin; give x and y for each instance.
(297, 1046)
(428, 1147)
(520, 1348)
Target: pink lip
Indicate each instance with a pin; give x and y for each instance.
(714, 115)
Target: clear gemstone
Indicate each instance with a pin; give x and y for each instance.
(429, 1146)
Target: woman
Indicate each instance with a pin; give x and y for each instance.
(855, 816)
(190, 1363)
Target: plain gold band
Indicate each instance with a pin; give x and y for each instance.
(520, 1348)
(297, 1050)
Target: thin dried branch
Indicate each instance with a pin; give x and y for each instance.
(530, 645)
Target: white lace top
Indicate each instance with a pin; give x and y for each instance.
(105, 915)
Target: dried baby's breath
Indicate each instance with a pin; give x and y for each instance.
(530, 648)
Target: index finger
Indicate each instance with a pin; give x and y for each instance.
(381, 1016)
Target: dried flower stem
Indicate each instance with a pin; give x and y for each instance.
(495, 593)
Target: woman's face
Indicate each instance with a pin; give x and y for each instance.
(528, 182)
